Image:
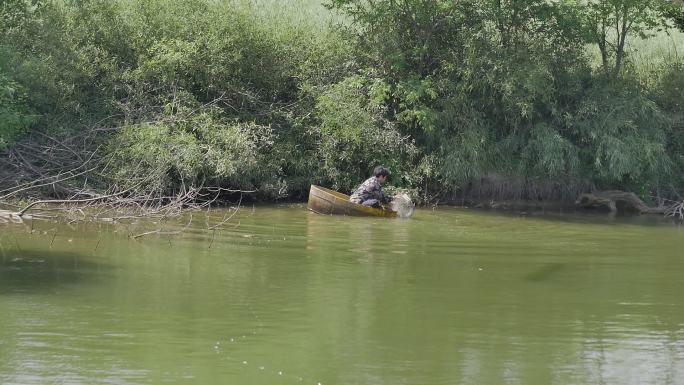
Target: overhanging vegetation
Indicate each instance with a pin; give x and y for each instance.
(159, 97)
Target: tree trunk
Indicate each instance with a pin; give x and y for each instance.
(617, 200)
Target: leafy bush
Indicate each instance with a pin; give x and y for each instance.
(15, 115)
(443, 93)
(188, 149)
(669, 95)
(355, 136)
(622, 134)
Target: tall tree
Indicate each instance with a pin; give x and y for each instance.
(677, 13)
(608, 24)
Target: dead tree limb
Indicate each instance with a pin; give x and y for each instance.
(616, 200)
(676, 210)
(63, 201)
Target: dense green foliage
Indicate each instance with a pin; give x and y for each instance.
(443, 92)
(676, 13)
(15, 116)
(511, 91)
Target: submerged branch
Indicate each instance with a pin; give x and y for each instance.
(228, 218)
(620, 201)
(75, 172)
(676, 211)
(57, 201)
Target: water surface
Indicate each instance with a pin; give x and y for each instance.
(279, 295)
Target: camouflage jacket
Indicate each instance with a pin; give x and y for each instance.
(370, 189)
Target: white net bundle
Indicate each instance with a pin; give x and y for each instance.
(402, 205)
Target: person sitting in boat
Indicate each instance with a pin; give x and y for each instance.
(370, 193)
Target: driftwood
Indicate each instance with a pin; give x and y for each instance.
(676, 211)
(9, 216)
(617, 201)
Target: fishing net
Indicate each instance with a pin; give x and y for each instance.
(402, 205)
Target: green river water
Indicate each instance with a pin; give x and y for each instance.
(279, 295)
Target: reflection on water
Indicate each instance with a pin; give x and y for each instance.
(281, 295)
(30, 271)
(545, 272)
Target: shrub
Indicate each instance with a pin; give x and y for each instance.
(355, 136)
(15, 115)
(186, 149)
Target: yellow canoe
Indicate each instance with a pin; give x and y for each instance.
(326, 201)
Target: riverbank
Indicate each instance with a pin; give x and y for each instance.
(113, 213)
(226, 94)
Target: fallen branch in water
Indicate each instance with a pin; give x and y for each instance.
(620, 200)
(147, 233)
(11, 216)
(227, 217)
(615, 200)
(160, 232)
(676, 211)
(75, 177)
(21, 212)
